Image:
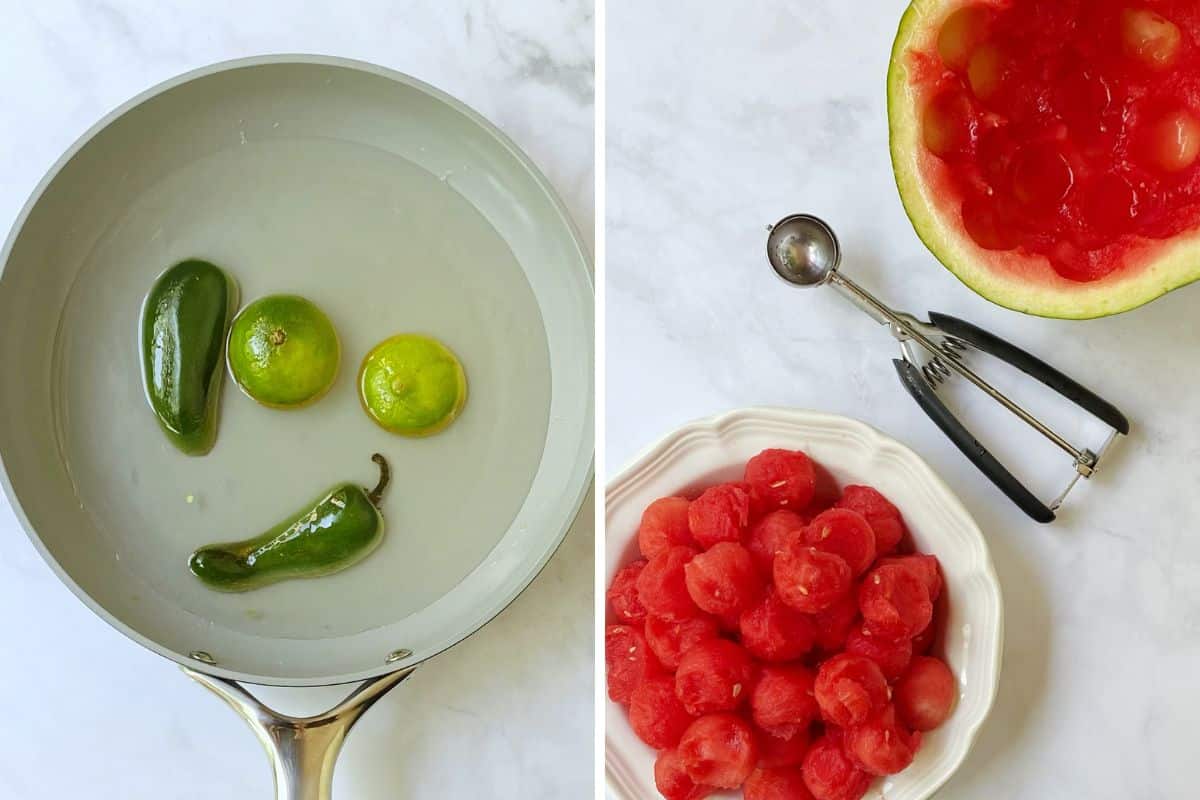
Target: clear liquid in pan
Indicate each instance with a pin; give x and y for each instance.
(383, 247)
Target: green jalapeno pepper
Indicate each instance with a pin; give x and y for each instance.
(184, 323)
(336, 531)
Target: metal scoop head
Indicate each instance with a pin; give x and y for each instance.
(803, 250)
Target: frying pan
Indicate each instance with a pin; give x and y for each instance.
(395, 208)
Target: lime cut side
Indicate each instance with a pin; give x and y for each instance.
(412, 385)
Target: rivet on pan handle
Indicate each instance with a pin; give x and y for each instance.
(303, 750)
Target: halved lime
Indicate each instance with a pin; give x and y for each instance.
(412, 385)
(283, 351)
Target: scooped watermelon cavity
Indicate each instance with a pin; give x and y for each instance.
(1048, 152)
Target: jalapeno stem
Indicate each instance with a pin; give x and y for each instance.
(385, 475)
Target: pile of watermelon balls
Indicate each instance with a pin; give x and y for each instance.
(775, 641)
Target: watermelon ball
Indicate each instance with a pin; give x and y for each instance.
(925, 694)
(723, 580)
(883, 517)
(656, 715)
(669, 639)
(776, 752)
(894, 603)
(714, 676)
(623, 594)
(773, 631)
(835, 623)
(769, 535)
(924, 566)
(783, 702)
(846, 533)
(672, 779)
(628, 660)
(809, 579)
(781, 479)
(776, 783)
(829, 773)
(720, 514)
(719, 750)
(664, 525)
(891, 657)
(849, 689)
(880, 746)
(661, 585)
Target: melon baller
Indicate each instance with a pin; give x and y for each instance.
(804, 251)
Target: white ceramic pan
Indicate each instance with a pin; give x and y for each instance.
(395, 208)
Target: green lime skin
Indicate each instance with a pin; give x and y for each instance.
(412, 385)
(283, 351)
(334, 532)
(182, 334)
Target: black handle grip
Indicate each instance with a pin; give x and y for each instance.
(1034, 367)
(932, 405)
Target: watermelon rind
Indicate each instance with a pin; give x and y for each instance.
(1017, 281)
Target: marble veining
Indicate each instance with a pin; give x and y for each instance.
(726, 117)
(90, 714)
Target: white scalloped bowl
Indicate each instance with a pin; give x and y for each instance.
(716, 449)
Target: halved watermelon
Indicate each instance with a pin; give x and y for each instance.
(1048, 151)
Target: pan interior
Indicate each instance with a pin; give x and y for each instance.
(394, 212)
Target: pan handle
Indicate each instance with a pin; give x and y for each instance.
(302, 750)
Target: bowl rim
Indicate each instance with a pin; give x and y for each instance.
(722, 425)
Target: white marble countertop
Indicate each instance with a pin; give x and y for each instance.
(724, 118)
(87, 713)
